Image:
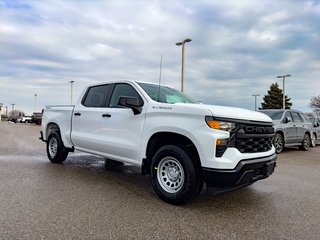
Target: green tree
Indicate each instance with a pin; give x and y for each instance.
(274, 98)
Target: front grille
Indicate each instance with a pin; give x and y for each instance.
(249, 138)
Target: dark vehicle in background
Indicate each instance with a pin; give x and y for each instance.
(36, 118)
(14, 119)
(292, 128)
(315, 138)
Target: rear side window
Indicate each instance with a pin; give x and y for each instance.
(122, 90)
(296, 117)
(96, 96)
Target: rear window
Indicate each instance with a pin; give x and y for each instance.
(296, 117)
(96, 96)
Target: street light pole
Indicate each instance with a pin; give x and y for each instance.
(35, 102)
(255, 101)
(1, 105)
(13, 106)
(182, 60)
(71, 84)
(284, 96)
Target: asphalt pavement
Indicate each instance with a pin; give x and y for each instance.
(84, 198)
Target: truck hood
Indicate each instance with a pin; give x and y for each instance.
(231, 112)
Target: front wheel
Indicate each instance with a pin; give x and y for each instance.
(278, 143)
(306, 142)
(174, 175)
(56, 151)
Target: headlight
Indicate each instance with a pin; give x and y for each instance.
(220, 125)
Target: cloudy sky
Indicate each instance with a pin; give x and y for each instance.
(238, 48)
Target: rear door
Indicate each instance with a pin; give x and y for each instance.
(87, 118)
(289, 128)
(298, 124)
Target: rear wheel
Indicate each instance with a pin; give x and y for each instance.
(278, 143)
(306, 142)
(313, 140)
(56, 151)
(174, 175)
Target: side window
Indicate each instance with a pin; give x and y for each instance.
(287, 114)
(96, 96)
(122, 90)
(304, 118)
(296, 117)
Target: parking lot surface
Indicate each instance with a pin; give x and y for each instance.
(84, 198)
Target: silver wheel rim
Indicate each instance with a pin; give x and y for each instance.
(278, 143)
(306, 142)
(170, 175)
(53, 146)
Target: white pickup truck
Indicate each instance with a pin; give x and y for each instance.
(180, 143)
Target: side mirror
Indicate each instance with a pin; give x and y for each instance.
(287, 119)
(131, 102)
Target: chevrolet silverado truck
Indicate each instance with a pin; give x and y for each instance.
(179, 142)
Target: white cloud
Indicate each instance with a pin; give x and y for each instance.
(238, 47)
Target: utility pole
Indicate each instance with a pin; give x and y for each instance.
(255, 101)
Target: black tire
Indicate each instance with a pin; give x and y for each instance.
(313, 140)
(306, 142)
(278, 143)
(174, 175)
(56, 151)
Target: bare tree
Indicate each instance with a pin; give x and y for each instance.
(15, 114)
(315, 104)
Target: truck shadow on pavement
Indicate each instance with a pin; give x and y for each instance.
(128, 178)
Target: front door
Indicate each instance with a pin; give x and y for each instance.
(121, 131)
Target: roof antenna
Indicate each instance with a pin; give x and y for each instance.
(160, 78)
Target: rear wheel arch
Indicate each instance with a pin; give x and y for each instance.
(52, 127)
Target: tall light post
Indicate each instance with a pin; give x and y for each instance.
(7, 111)
(71, 89)
(255, 101)
(35, 102)
(1, 105)
(182, 64)
(284, 96)
(13, 106)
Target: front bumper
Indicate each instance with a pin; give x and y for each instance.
(246, 172)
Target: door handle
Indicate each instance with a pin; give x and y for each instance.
(77, 114)
(106, 115)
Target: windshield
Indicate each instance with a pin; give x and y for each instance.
(165, 94)
(274, 115)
